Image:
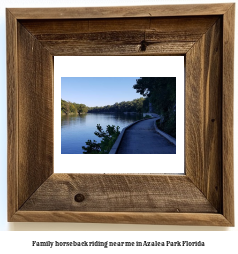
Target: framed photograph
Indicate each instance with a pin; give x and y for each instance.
(108, 95)
(203, 195)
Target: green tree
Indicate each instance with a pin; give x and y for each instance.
(81, 108)
(64, 106)
(109, 137)
(124, 106)
(72, 108)
(161, 93)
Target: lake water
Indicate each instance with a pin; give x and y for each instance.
(77, 129)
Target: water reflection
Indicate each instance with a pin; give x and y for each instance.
(77, 129)
(71, 119)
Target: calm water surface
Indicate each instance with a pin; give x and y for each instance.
(77, 129)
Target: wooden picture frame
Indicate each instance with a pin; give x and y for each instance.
(204, 34)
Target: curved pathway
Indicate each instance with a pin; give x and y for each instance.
(141, 138)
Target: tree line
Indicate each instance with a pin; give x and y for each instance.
(135, 105)
(68, 107)
(125, 106)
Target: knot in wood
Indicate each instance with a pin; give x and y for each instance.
(79, 198)
(143, 45)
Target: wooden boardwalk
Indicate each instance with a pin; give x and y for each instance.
(141, 138)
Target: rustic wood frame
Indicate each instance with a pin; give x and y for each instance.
(204, 34)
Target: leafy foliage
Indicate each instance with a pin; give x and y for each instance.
(125, 106)
(136, 105)
(161, 93)
(109, 137)
(92, 147)
(68, 107)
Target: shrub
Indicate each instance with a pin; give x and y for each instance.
(109, 137)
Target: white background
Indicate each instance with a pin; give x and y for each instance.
(216, 242)
(118, 66)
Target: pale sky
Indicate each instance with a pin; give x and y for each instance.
(98, 91)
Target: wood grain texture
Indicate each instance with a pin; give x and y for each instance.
(140, 193)
(190, 26)
(121, 12)
(227, 113)
(72, 48)
(119, 36)
(192, 219)
(204, 196)
(203, 115)
(35, 114)
(12, 117)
